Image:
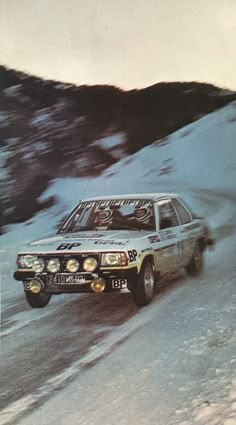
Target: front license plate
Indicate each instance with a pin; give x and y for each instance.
(76, 279)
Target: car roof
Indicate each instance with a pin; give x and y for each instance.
(153, 196)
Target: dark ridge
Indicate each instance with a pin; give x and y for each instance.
(49, 129)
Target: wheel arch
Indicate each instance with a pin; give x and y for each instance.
(147, 258)
(201, 242)
(144, 289)
(150, 258)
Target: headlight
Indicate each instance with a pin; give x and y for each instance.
(90, 264)
(53, 265)
(72, 265)
(38, 265)
(26, 261)
(114, 259)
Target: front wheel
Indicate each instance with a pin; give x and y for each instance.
(195, 265)
(145, 288)
(37, 300)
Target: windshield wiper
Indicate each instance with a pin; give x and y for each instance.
(124, 227)
(76, 229)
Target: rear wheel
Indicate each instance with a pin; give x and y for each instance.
(196, 263)
(37, 300)
(145, 288)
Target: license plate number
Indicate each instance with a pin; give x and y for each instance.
(76, 279)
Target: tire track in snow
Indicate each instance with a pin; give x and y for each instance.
(17, 409)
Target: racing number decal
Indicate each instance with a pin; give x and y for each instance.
(180, 251)
(132, 255)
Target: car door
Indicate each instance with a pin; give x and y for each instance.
(187, 232)
(169, 230)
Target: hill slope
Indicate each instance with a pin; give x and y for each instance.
(193, 162)
(51, 130)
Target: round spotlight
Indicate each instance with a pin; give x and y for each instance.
(98, 285)
(34, 286)
(53, 265)
(90, 264)
(72, 265)
(38, 265)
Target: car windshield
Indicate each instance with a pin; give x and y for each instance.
(120, 214)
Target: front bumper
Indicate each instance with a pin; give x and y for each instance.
(115, 280)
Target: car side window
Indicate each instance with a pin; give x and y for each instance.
(182, 212)
(167, 215)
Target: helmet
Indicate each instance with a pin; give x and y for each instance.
(142, 214)
(104, 216)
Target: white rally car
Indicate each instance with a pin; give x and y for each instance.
(116, 242)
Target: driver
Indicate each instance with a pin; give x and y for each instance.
(143, 215)
(104, 216)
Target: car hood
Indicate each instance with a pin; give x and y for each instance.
(86, 241)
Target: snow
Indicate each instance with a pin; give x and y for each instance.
(114, 144)
(110, 141)
(173, 362)
(4, 119)
(4, 155)
(12, 91)
(41, 117)
(149, 370)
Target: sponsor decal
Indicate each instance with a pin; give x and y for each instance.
(167, 234)
(119, 283)
(110, 242)
(154, 239)
(115, 202)
(68, 246)
(132, 255)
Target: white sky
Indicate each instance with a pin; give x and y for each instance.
(130, 43)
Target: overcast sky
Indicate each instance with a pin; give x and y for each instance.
(129, 43)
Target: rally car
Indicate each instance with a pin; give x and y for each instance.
(115, 243)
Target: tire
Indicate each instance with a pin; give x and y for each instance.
(196, 263)
(144, 291)
(38, 300)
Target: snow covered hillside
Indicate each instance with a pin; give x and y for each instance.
(186, 374)
(198, 161)
(51, 130)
